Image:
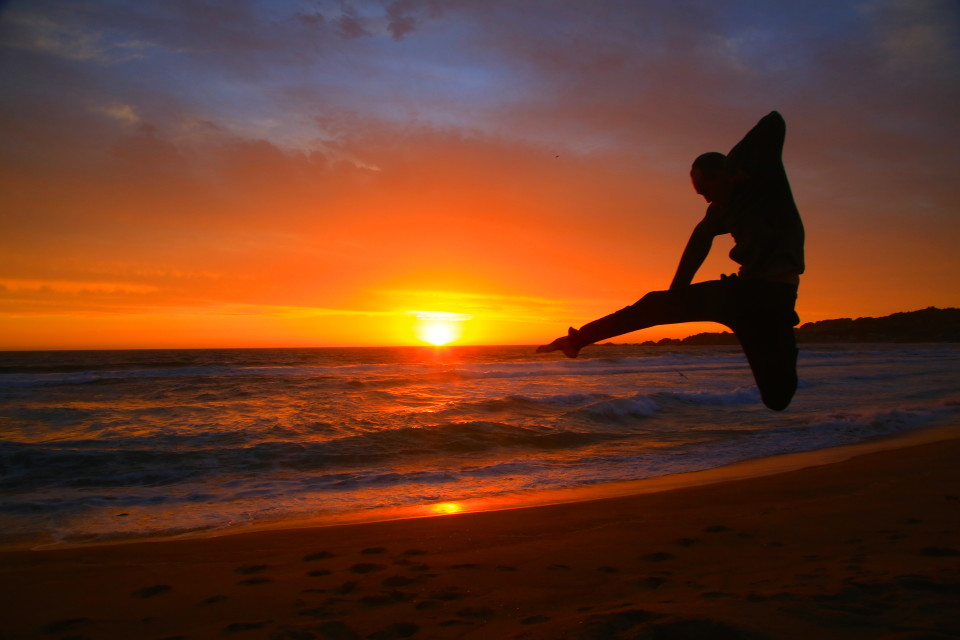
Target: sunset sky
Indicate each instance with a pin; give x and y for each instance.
(251, 173)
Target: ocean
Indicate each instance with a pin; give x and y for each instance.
(100, 446)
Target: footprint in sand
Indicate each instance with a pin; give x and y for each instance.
(717, 528)
(348, 587)
(454, 623)
(398, 581)
(447, 594)
(213, 600)
(681, 627)
(319, 573)
(480, 613)
(317, 612)
(320, 555)
(150, 592)
(250, 582)
(63, 625)
(367, 567)
(395, 631)
(336, 630)
(653, 582)
(235, 627)
(378, 599)
(251, 569)
(611, 625)
(536, 620)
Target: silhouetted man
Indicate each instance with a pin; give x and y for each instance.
(749, 197)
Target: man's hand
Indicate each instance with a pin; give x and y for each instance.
(563, 343)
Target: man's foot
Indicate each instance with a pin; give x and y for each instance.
(564, 343)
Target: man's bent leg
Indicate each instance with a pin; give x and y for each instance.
(772, 354)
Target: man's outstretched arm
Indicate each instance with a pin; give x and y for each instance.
(761, 148)
(696, 251)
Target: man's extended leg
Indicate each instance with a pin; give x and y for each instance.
(705, 301)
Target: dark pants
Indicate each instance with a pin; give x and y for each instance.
(761, 314)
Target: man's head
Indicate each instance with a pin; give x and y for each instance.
(711, 177)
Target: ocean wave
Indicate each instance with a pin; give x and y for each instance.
(619, 410)
(403, 379)
(833, 431)
(520, 404)
(171, 459)
(113, 376)
(740, 396)
(463, 437)
(856, 426)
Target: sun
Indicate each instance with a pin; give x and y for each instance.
(439, 327)
(447, 508)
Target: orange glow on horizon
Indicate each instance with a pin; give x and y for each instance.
(438, 327)
(446, 508)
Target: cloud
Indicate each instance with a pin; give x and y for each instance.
(311, 19)
(353, 20)
(72, 287)
(350, 25)
(401, 21)
(34, 32)
(121, 112)
(916, 34)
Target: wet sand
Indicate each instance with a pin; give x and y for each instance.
(863, 548)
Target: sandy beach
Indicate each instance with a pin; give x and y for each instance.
(867, 547)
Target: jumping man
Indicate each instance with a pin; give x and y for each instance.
(749, 197)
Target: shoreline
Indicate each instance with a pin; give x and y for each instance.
(859, 548)
(740, 470)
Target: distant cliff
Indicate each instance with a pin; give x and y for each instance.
(926, 325)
